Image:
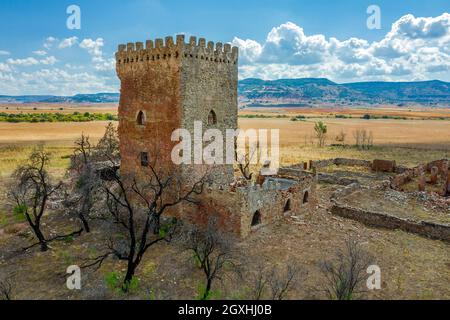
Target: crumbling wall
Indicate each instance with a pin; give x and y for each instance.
(273, 203)
(382, 220)
(438, 169)
(340, 162)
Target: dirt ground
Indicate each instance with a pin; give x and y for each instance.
(412, 267)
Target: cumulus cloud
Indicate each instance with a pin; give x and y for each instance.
(414, 48)
(23, 62)
(39, 74)
(93, 47)
(49, 42)
(31, 61)
(67, 43)
(54, 81)
(40, 52)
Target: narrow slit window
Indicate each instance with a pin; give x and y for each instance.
(140, 118)
(212, 118)
(144, 159)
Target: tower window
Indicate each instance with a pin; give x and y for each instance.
(144, 159)
(306, 197)
(212, 118)
(256, 219)
(140, 118)
(287, 207)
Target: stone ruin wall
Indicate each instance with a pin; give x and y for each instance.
(382, 220)
(407, 175)
(234, 210)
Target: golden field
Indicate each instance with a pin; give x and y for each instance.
(408, 141)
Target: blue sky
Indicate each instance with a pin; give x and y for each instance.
(278, 39)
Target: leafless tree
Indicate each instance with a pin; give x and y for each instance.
(137, 207)
(274, 282)
(281, 281)
(212, 250)
(30, 191)
(259, 281)
(107, 148)
(340, 138)
(345, 274)
(5, 290)
(245, 160)
(363, 139)
(86, 182)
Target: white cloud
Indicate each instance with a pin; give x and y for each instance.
(67, 43)
(250, 50)
(49, 42)
(30, 61)
(49, 60)
(5, 68)
(40, 52)
(93, 47)
(55, 81)
(4, 53)
(414, 48)
(23, 62)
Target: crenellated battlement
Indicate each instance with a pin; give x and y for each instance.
(161, 49)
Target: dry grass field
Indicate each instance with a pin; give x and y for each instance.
(56, 108)
(356, 112)
(408, 141)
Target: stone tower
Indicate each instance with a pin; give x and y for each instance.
(169, 85)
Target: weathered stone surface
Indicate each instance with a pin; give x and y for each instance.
(383, 165)
(422, 183)
(448, 186)
(434, 175)
(382, 220)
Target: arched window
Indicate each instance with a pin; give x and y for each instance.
(306, 197)
(140, 118)
(256, 219)
(212, 118)
(144, 159)
(287, 207)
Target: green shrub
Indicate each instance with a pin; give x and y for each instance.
(114, 281)
(19, 212)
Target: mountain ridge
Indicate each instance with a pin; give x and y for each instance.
(301, 91)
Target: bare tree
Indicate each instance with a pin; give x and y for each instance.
(212, 250)
(30, 190)
(86, 167)
(86, 182)
(281, 281)
(259, 281)
(137, 208)
(5, 290)
(245, 160)
(107, 148)
(340, 138)
(345, 274)
(275, 282)
(363, 139)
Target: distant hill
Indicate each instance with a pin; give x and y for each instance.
(297, 92)
(312, 91)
